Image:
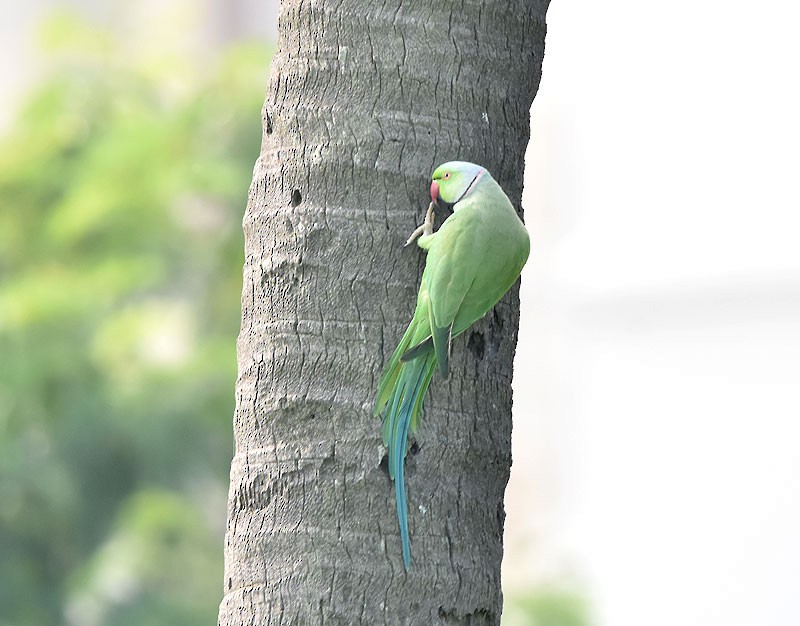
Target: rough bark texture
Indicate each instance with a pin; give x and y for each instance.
(364, 99)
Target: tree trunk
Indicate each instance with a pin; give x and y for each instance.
(364, 99)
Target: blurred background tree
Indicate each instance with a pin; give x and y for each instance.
(122, 183)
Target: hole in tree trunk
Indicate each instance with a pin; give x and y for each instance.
(384, 465)
(476, 344)
(297, 198)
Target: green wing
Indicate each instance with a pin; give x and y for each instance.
(473, 259)
(450, 270)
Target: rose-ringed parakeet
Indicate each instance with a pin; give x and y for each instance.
(473, 259)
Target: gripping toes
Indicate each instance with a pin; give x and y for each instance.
(424, 229)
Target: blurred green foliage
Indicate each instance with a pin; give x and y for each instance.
(122, 186)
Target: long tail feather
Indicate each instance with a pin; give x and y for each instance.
(402, 416)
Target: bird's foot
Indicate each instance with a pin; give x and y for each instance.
(426, 228)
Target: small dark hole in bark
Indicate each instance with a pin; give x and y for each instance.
(413, 448)
(384, 465)
(230, 584)
(476, 344)
(267, 124)
(297, 198)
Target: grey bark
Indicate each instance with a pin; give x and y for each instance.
(364, 99)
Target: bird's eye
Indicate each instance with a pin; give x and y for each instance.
(446, 175)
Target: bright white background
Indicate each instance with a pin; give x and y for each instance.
(657, 443)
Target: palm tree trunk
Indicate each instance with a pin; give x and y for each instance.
(364, 99)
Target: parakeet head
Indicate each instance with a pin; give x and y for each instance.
(454, 180)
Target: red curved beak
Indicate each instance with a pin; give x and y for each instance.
(435, 193)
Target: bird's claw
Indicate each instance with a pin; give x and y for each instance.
(424, 229)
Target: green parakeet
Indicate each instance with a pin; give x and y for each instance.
(473, 259)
